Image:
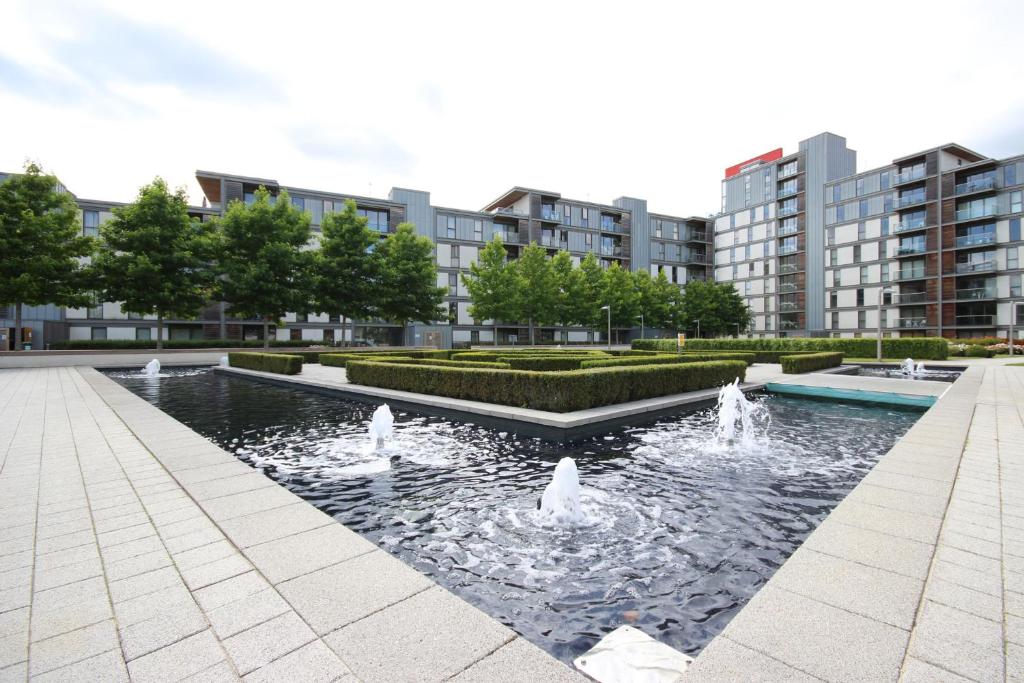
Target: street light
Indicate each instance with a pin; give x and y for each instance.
(641, 325)
(609, 309)
(737, 330)
(698, 328)
(878, 345)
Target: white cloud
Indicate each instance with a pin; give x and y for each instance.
(591, 99)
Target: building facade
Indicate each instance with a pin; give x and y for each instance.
(623, 232)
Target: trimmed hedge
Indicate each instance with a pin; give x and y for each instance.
(280, 363)
(661, 359)
(495, 356)
(808, 362)
(554, 391)
(979, 352)
(926, 348)
(101, 344)
(444, 363)
(543, 363)
(759, 356)
(340, 360)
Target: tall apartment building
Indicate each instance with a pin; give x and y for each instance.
(812, 244)
(623, 232)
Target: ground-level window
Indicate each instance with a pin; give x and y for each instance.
(99, 333)
(143, 333)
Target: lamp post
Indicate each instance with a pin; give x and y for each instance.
(641, 325)
(737, 330)
(698, 328)
(878, 344)
(609, 309)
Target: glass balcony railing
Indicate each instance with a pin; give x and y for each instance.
(910, 200)
(976, 293)
(975, 240)
(915, 274)
(910, 250)
(977, 185)
(788, 210)
(697, 237)
(907, 176)
(785, 288)
(788, 249)
(910, 224)
(912, 323)
(975, 267)
(984, 320)
(551, 215)
(911, 298)
(549, 241)
(788, 307)
(789, 268)
(697, 258)
(975, 212)
(788, 229)
(789, 324)
(788, 170)
(786, 192)
(612, 227)
(611, 251)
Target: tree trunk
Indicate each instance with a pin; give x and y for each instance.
(159, 331)
(17, 326)
(344, 324)
(494, 342)
(266, 333)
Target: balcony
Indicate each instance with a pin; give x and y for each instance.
(975, 267)
(906, 226)
(976, 293)
(788, 171)
(697, 258)
(789, 268)
(909, 251)
(786, 192)
(908, 298)
(789, 307)
(789, 324)
(613, 227)
(911, 323)
(976, 320)
(786, 288)
(611, 251)
(975, 213)
(975, 240)
(549, 241)
(916, 274)
(508, 237)
(907, 176)
(788, 229)
(551, 215)
(979, 185)
(909, 200)
(697, 237)
(788, 210)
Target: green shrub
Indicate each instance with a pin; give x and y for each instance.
(442, 362)
(280, 363)
(340, 360)
(102, 344)
(554, 391)
(494, 356)
(543, 363)
(808, 362)
(974, 351)
(980, 341)
(925, 348)
(661, 359)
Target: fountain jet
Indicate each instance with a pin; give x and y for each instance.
(560, 503)
(734, 409)
(152, 368)
(380, 425)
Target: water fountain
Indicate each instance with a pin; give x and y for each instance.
(224, 362)
(380, 425)
(560, 503)
(152, 368)
(735, 410)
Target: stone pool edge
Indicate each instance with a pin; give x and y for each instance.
(403, 625)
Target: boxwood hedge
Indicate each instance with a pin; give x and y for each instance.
(808, 362)
(927, 348)
(100, 344)
(495, 356)
(663, 358)
(979, 352)
(439, 361)
(280, 363)
(543, 363)
(554, 391)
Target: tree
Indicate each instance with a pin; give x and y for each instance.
(620, 293)
(41, 245)
(535, 288)
(154, 258)
(717, 305)
(266, 269)
(346, 267)
(591, 288)
(491, 283)
(568, 284)
(408, 290)
(656, 296)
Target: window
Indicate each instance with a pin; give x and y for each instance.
(863, 274)
(885, 272)
(95, 312)
(862, 208)
(299, 202)
(585, 217)
(661, 249)
(474, 336)
(856, 253)
(588, 239)
(833, 299)
(378, 219)
(455, 256)
(860, 297)
(1010, 175)
(91, 223)
(830, 235)
(1015, 201)
(657, 228)
(862, 230)
(833, 257)
(746, 189)
(673, 231)
(835, 320)
(750, 233)
(143, 334)
(1015, 285)
(450, 224)
(862, 319)
(478, 230)
(1011, 258)
(837, 194)
(860, 186)
(885, 227)
(453, 283)
(566, 214)
(1014, 229)
(98, 333)
(884, 180)
(746, 252)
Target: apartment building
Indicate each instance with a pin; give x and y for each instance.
(623, 232)
(931, 241)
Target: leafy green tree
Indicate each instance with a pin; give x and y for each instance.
(154, 258)
(536, 298)
(267, 270)
(657, 296)
(591, 287)
(491, 282)
(41, 245)
(620, 293)
(347, 268)
(717, 305)
(408, 289)
(567, 283)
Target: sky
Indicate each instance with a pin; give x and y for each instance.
(594, 100)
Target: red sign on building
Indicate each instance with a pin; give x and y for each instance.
(773, 155)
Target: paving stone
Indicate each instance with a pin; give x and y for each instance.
(150, 605)
(165, 628)
(14, 621)
(343, 593)
(179, 660)
(68, 648)
(962, 598)
(521, 662)
(196, 539)
(429, 637)
(248, 502)
(126, 534)
(979, 581)
(268, 641)
(143, 584)
(63, 558)
(15, 673)
(218, 570)
(70, 616)
(14, 598)
(959, 642)
(204, 554)
(130, 549)
(817, 637)
(287, 558)
(230, 590)
(266, 526)
(140, 564)
(247, 612)
(217, 488)
(916, 671)
(218, 673)
(108, 667)
(13, 649)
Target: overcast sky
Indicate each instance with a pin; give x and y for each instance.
(593, 100)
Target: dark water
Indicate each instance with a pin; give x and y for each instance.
(681, 531)
(936, 374)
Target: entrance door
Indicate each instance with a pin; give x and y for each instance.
(433, 339)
